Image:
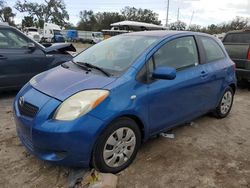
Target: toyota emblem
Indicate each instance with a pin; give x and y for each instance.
(21, 101)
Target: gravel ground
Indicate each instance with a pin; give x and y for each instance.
(209, 153)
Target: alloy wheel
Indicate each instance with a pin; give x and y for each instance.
(226, 102)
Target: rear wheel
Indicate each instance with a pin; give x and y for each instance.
(117, 146)
(225, 105)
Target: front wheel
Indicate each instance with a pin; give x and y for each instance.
(117, 147)
(225, 105)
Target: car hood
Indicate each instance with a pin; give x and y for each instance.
(62, 47)
(61, 83)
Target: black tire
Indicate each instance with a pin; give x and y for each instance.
(218, 111)
(98, 161)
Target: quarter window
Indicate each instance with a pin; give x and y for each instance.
(179, 53)
(212, 49)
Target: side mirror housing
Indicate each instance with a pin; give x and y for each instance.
(31, 46)
(165, 73)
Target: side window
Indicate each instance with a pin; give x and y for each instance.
(212, 49)
(179, 53)
(11, 39)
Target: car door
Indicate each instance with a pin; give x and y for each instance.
(172, 102)
(18, 62)
(215, 66)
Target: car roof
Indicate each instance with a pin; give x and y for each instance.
(6, 26)
(239, 31)
(163, 33)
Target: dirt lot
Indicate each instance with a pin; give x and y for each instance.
(210, 153)
(81, 46)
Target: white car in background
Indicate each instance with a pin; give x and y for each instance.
(33, 33)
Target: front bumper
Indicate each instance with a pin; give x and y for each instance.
(62, 142)
(243, 74)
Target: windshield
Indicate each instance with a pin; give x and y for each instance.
(117, 53)
(57, 32)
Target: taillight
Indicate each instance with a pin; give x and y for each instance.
(248, 54)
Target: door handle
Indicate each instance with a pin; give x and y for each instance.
(2, 57)
(204, 74)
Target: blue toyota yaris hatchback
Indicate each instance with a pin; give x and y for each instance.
(97, 109)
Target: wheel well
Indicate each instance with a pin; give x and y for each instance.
(138, 122)
(233, 86)
(133, 117)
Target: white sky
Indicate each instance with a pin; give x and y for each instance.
(205, 11)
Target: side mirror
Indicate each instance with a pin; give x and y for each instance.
(165, 73)
(31, 46)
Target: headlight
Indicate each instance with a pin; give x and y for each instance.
(80, 104)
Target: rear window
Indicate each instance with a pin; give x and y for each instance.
(237, 38)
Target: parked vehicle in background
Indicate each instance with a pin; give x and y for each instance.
(33, 33)
(237, 44)
(97, 37)
(97, 109)
(130, 26)
(52, 33)
(83, 36)
(21, 57)
(90, 37)
(72, 35)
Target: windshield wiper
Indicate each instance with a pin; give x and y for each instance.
(81, 65)
(97, 68)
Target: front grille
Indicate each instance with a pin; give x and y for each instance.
(36, 37)
(27, 109)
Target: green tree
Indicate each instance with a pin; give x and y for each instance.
(6, 15)
(69, 26)
(104, 19)
(96, 22)
(238, 23)
(178, 25)
(49, 11)
(28, 21)
(213, 29)
(195, 28)
(87, 20)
